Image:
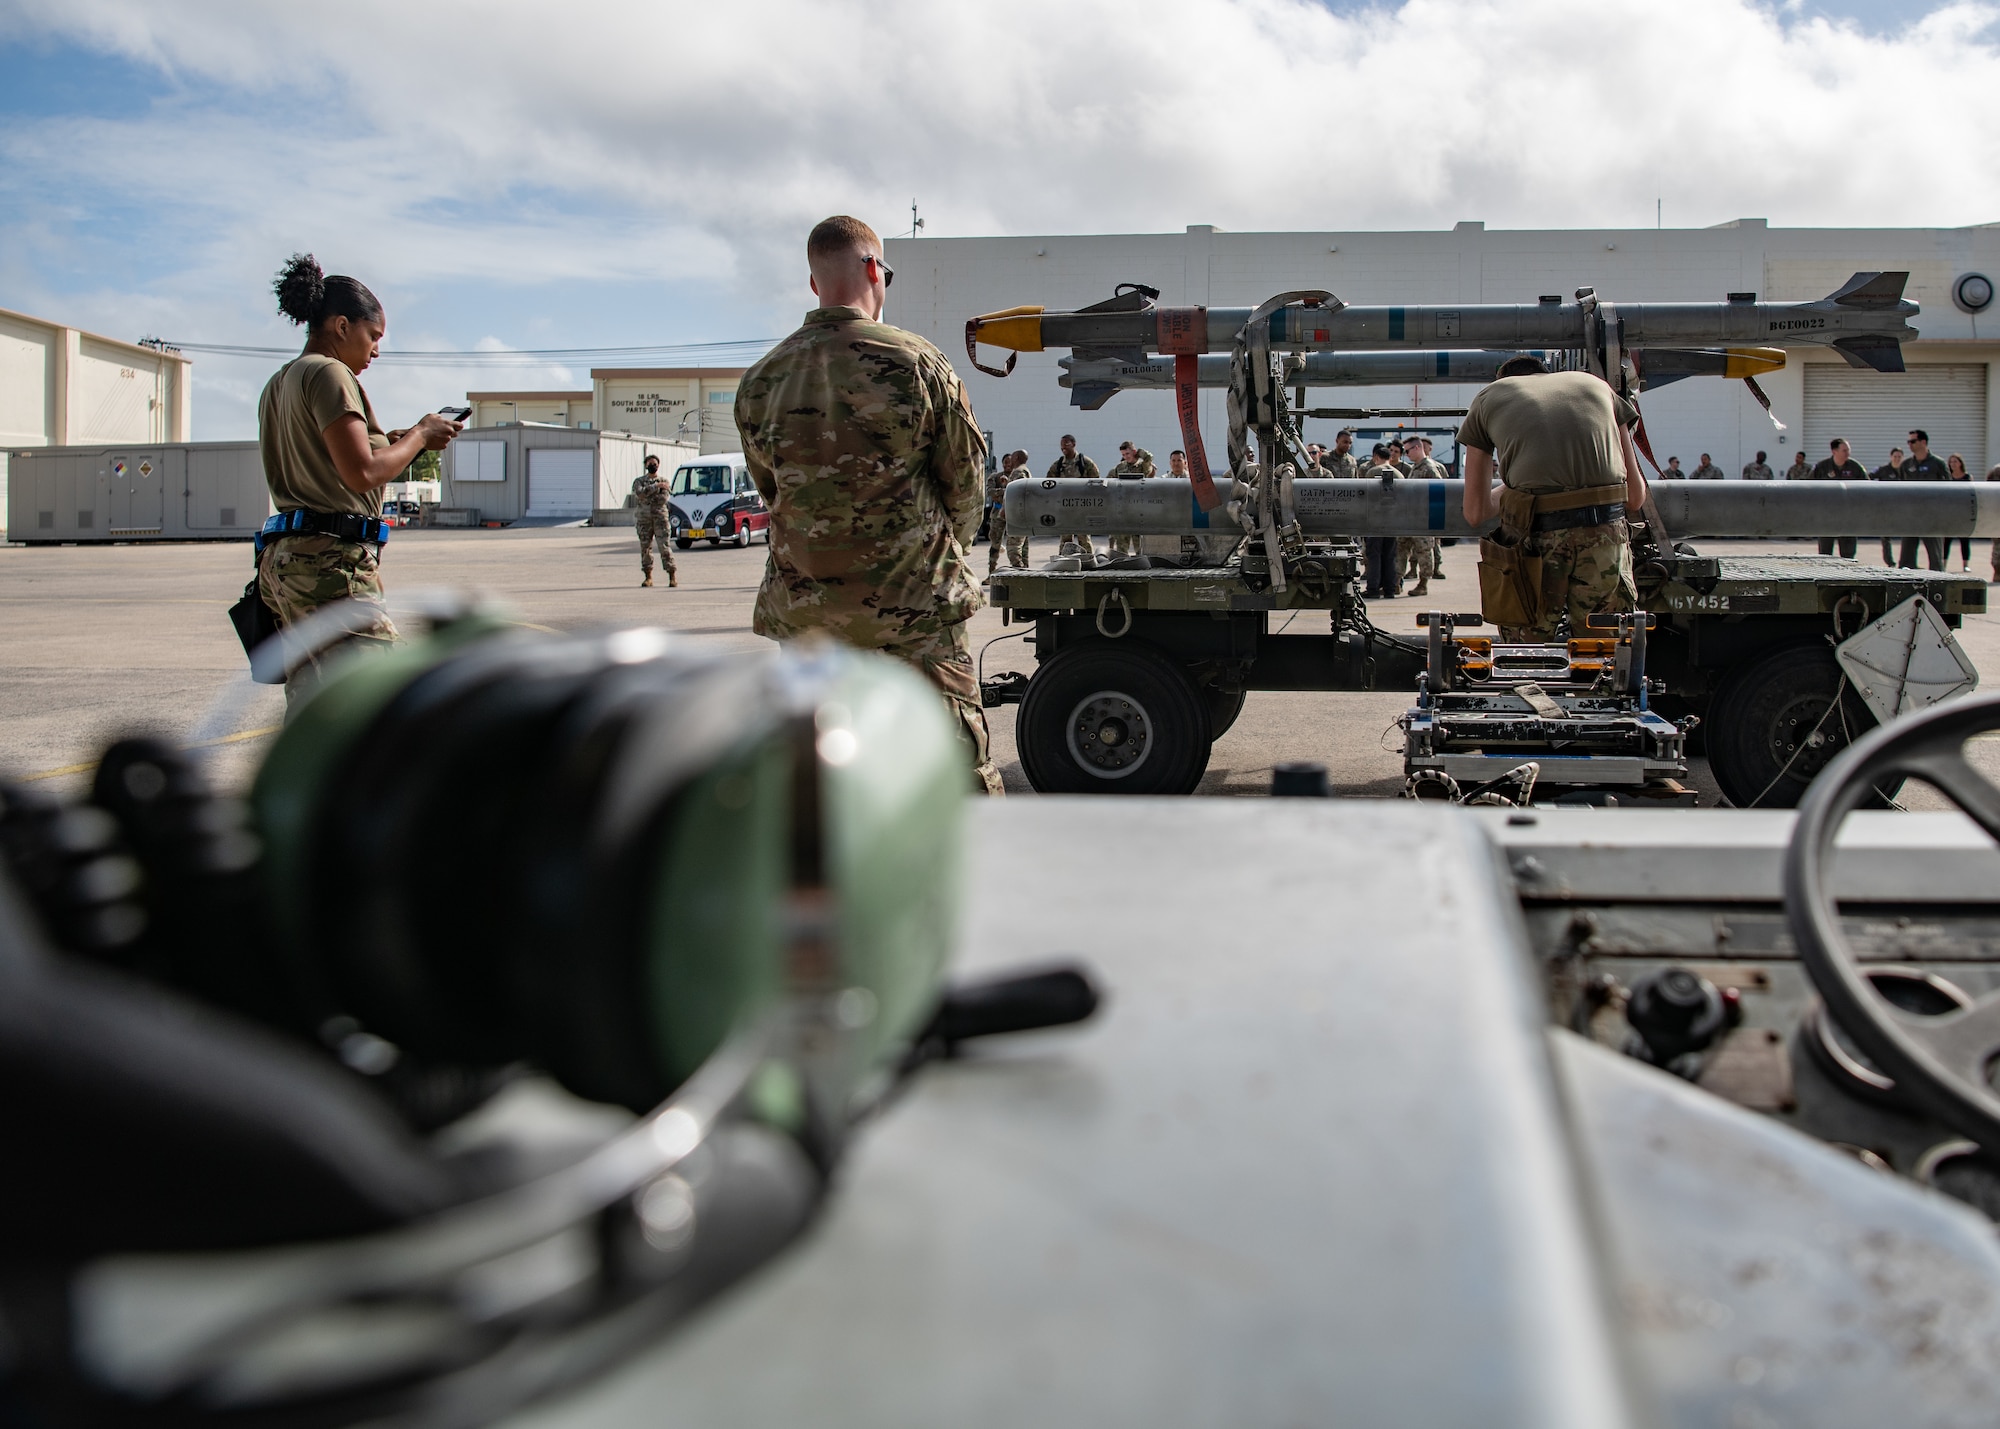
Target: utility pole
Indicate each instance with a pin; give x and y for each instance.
(915, 223)
(1659, 211)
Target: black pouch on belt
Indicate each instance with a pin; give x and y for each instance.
(255, 623)
(1510, 575)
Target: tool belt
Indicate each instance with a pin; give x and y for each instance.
(1510, 573)
(343, 526)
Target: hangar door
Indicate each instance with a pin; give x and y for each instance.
(561, 480)
(1875, 410)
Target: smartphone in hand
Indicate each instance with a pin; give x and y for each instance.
(456, 414)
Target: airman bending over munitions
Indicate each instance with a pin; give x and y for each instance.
(863, 443)
(1568, 475)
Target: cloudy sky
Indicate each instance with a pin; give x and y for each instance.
(625, 172)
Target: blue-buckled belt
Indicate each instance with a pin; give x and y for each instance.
(1580, 516)
(342, 526)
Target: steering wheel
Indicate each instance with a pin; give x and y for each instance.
(1938, 1063)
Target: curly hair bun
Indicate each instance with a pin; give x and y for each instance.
(301, 289)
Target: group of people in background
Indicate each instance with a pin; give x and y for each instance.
(1389, 560)
(1918, 463)
(1134, 463)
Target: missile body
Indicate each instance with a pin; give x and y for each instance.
(1866, 320)
(1093, 380)
(1326, 506)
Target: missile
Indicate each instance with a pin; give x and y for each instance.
(1330, 506)
(1093, 381)
(1866, 320)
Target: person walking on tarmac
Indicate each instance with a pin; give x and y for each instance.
(1013, 467)
(1568, 474)
(649, 514)
(326, 461)
(1071, 465)
(1417, 556)
(863, 443)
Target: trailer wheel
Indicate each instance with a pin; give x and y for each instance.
(1112, 717)
(1222, 709)
(684, 542)
(1773, 726)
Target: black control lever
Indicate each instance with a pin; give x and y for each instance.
(1014, 1002)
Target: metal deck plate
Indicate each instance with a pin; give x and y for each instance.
(1306, 1168)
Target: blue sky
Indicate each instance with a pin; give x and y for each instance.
(636, 172)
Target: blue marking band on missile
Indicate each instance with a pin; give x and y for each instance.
(1444, 364)
(1435, 518)
(1278, 326)
(1395, 324)
(1200, 517)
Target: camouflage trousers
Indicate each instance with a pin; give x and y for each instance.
(655, 530)
(1417, 556)
(1586, 570)
(1076, 543)
(945, 659)
(1124, 545)
(301, 574)
(996, 537)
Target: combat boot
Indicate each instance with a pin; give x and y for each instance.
(673, 580)
(647, 581)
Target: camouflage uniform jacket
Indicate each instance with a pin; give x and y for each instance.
(997, 483)
(1140, 465)
(1429, 469)
(863, 443)
(1340, 464)
(649, 494)
(1073, 467)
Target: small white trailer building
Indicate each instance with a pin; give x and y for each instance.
(165, 491)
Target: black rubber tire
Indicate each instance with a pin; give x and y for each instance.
(1222, 709)
(1144, 696)
(683, 542)
(1766, 705)
(742, 538)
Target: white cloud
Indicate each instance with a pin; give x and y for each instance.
(630, 141)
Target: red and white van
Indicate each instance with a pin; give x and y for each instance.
(712, 499)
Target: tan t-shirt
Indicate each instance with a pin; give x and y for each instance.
(305, 397)
(1550, 431)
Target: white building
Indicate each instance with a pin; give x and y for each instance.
(62, 387)
(671, 404)
(1949, 389)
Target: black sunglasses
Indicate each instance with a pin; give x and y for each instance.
(888, 273)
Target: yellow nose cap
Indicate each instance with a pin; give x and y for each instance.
(1750, 361)
(1017, 329)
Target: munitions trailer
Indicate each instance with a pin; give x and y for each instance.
(1160, 660)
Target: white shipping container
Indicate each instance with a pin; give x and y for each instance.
(171, 491)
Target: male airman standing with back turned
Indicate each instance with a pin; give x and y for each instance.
(863, 443)
(649, 514)
(1568, 474)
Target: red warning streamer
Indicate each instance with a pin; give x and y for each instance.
(1187, 396)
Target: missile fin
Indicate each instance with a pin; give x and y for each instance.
(1128, 298)
(1871, 290)
(1883, 354)
(1091, 395)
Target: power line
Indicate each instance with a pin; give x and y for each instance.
(732, 352)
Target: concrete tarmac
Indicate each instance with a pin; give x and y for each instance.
(102, 640)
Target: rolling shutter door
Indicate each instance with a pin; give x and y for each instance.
(561, 480)
(1876, 410)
